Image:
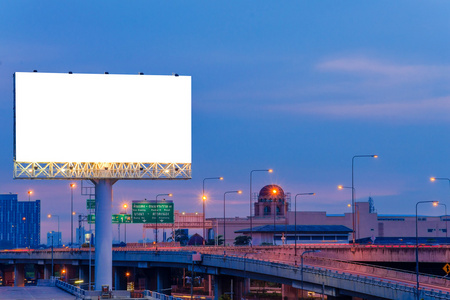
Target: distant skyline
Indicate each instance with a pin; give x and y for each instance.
(299, 86)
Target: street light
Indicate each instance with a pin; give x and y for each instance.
(156, 238)
(295, 222)
(29, 222)
(229, 192)
(446, 218)
(72, 186)
(301, 256)
(274, 192)
(204, 200)
(250, 215)
(353, 192)
(435, 203)
(125, 207)
(50, 216)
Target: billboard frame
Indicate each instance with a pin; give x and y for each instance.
(92, 170)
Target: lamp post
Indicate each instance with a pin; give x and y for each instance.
(29, 221)
(125, 207)
(301, 256)
(72, 186)
(274, 192)
(204, 200)
(156, 224)
(250, 215)
(224, 220)
(446, 218)
(446, 228)
(353, 192)
(435, 203)
(50, 216)
(295, 221)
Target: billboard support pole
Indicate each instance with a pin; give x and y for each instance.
(103, 230)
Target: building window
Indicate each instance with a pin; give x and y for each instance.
(431, 230)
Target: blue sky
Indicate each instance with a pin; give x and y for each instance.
(297, 86)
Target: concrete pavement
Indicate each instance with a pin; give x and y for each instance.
(33, 292)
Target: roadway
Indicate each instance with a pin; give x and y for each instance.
(34, 292)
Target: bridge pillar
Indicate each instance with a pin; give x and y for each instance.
(222, 285)
(19, 275)
(103, 229)
(163, 281)
(217, 287)
(47, 271)
(289, 292)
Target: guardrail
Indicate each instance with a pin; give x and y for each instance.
(323, 272)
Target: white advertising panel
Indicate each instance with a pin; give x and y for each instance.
(102, 118)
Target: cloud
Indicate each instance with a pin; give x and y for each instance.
(373, 67)
(429, 109)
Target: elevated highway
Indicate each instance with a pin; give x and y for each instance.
(321, 272)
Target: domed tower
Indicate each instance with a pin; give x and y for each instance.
(271, 199)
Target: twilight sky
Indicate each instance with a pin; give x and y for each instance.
(296, 86)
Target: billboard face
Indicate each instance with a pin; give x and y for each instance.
(97, 120)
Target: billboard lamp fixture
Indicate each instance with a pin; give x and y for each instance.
(140, 73)
(35, 71)
(70, 72)
(106, 72)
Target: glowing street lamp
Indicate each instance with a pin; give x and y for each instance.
(72, 186)
(274, 192)
(446, 217)
(250, 215)
(224, 216)
(203, 202)
(353, 191)
(435, 203)
(125, 207)
(29, 223)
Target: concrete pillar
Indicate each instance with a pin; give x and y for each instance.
(217, 287)
(290, 293)
(222, 285)
(163, 280)
(47, 271)
(19, 275)
(103, 230)
(117, 282)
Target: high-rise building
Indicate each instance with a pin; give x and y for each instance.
(54, 239)
(20, 222)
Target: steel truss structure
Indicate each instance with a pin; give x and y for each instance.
(96, 170)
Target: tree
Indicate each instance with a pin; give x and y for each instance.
(181, 236)
(212, 242)
(242, 240)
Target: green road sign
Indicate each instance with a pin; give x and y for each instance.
(115, 219)
(121, 218)
(90, 203)
(146, 212)
(91, 219)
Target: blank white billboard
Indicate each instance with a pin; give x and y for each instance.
(102, 118)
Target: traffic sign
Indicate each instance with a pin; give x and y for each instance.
(121, 218)
(447, 268)
(151, 212)
(115, 219)
(90, 203)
